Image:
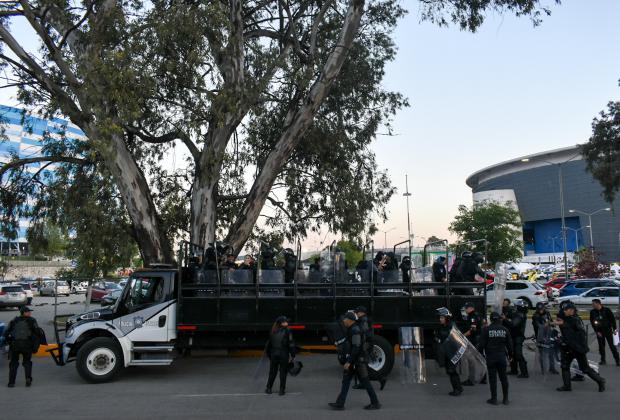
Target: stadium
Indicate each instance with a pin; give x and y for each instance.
(532, 184)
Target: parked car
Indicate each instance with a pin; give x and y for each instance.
(111, 298)
(12, 295)
(47, 288)
(607, 295)
(28, 290)
(577, 287)
(555, 283)
(530, 293)
(79, 288)
(122, 283)
(102, 288)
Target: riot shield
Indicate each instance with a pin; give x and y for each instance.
(499, 286)
(413, 370)
(545, 350)
(423, 275)
(574, 368)
(460, 352)
(259, 377)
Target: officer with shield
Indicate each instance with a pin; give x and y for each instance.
(366, 327)
(356, 362)
(444, 356)
(516, 323)
(473, 328)
(575, 347)
(496, 343)
(562, 316)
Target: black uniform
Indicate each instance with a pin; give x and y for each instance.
(575, 346)
(441, 335)
(472, 331)
(466, 272)
(496, 343)
(21, 335)
(439, 275)
(604, 324)
(358, 359)
(516, 323)
(279, 348)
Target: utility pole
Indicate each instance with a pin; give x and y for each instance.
(408, 194)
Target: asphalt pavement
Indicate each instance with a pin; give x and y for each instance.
(224, 388)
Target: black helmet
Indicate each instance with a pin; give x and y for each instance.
(469, 305)
(24, 309)
(441, 259)
(520, 304)
(443, 311)
(295, 367)
(466, 254)
(495, 317)
(361, 309)
(570, 305)
(563, 304)
(540, 305)
(478, 257)
(281, 319)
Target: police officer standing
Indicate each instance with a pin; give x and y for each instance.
(473, 328)
(440, 274)
(604, 323)
(368, 333)
(441, 335)
(517, 321)
(356, 362)
(575, 347)
(21, 335)
(495, 343)
(280, 350)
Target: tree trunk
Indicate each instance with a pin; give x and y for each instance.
(300, 121)
(134, 190)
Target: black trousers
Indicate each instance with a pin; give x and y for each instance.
(518, 359)
(278, 362)
(496, 366)
(455, 379)
(606, 336)
(361, 370)
(14, 363)
(568, 356)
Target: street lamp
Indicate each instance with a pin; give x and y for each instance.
(408, 194)
(590, 220)
(561, 184)
(577, 231)
(385, 232)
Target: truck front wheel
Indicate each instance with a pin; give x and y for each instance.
(381, 358)
(99, 360)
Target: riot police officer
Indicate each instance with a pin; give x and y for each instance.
(280, 350)
(22, 335)
(575, 347)
(496, 343)
(441, 335)
(472, 330)
(604, 324)
(356, 362)
(440, 274)
(517, 320)
(366, 327)
(405, 269)
(561, 315)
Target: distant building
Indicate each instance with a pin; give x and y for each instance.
(531, 184)
(23, 135)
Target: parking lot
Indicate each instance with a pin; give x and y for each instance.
(223, 387)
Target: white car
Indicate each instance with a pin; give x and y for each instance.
(47, 288)
(12, 295)
(79, 288)
(28, 290)
(607, 295)
(530, 293)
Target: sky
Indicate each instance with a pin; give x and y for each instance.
(508, 90)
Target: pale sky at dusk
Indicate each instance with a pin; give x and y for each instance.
(479, 99)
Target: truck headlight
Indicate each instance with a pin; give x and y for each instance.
(70, 332)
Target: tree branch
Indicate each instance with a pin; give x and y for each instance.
(52, 159)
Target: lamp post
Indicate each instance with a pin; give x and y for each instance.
(385, 232)
(590, 220)
(577, 231)
(561, 184)
(407, 194)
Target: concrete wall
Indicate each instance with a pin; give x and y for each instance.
(34, 269)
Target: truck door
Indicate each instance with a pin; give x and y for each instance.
(147, 309)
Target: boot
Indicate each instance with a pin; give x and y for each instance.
(382, 381)
(28, 382)
(336, 406)
(492, 401)
(566, 379)
(267, 390)
(505, 401)
(602, 362)
(598, 379)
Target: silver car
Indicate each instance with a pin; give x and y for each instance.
(47, 288)
(12, 295)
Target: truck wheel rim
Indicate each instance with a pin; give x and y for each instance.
(101, 361)
(377, 358)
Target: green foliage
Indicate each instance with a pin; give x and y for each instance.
(499, 224)
(433, 240)
(602, 152)
(588, 264)
(353, 254)
(47, 239)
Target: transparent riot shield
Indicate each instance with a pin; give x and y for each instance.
(460, 352)
(413, 369)
(499, 286)
(259, 377)
(423, 275)
(546, 355)
(574, 368)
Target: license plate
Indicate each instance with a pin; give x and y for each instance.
(13, 295)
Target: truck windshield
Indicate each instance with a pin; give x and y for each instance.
(144, 292)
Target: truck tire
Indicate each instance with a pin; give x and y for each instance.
(99, 360)
(381, 358)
